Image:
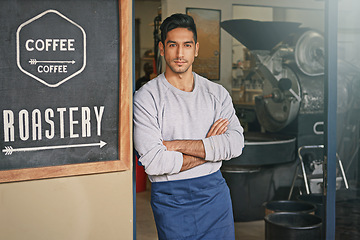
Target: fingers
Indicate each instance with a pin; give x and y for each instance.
(222, 127)
(218, 128)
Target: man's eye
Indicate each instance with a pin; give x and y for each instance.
(172, 45)
(187, 45)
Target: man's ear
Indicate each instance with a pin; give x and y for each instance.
(197, 49)
(161, 48)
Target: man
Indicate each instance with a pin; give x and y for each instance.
(184, 126)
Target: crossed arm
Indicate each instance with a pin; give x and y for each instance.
(193, 150)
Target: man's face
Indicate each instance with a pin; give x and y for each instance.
(179, 50)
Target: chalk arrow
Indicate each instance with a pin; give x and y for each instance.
(34, 61)
(10, 150)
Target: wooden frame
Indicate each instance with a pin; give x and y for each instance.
(124, 122)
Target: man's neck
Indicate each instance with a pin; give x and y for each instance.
(183, 81)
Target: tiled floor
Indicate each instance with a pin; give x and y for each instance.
(146, 230)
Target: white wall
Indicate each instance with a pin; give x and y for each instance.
(73, 208)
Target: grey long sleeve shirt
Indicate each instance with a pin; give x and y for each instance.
(164, 113)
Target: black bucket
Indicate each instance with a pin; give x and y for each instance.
(317, 199)
(289, 206)
(294, 226)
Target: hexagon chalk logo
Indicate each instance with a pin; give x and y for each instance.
(51, 48)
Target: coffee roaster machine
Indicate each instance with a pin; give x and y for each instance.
(280, 100)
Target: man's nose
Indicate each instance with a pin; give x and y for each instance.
(180, 51)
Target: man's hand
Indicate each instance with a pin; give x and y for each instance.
(189, 147)
(193, 150)
(195, 147)
(190, 162)
(219, 127)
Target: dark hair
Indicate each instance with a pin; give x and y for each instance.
(177, 20)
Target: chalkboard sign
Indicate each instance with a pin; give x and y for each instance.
(64, 92)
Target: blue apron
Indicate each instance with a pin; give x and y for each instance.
(197, 208)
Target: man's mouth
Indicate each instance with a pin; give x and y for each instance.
(179, 61)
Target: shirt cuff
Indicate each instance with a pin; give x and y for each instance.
(178, 162)
(209, 150)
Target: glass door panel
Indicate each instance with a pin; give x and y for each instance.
(348, 121)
